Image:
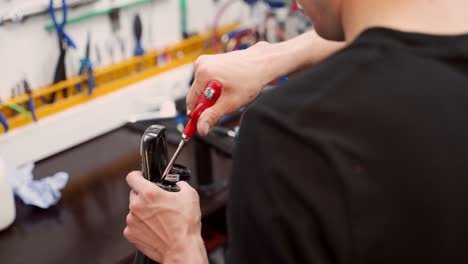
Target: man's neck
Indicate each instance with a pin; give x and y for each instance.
(438, 17)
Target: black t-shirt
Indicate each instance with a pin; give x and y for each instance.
(362, 159)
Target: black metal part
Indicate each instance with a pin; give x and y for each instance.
(60, 70)
(181, 106)
(114, 16)
(153, 151)
(137, 28)
(88, 47)
(154, 156)
(221, 144)
(172, 134)
(182, 172)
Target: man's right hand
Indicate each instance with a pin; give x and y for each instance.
(244, 73)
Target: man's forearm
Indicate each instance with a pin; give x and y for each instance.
(284, 58)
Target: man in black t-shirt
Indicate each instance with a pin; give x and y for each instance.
(359, 159)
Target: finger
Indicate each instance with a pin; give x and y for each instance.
(133, 221)
(135, 181)
(195, 92)
(139, 229)
(139, 233)
(185, 188)
(146, 248)
(133, 200)
(211, 116)
(151, 252)
(132, 235)
(143, 187)
(183, 185)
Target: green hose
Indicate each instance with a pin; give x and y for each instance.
(19, 109)
(74, 20)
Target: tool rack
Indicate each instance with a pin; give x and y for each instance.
(112, 78)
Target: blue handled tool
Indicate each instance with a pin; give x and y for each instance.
(271, 3)
(60, 27)
(138, 32)
(65, 42)
(87, 67)
(31, 105)
(4, 123)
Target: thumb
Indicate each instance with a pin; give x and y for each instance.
(186, 188)
(210, 118)
(183, 184)
(195, 91)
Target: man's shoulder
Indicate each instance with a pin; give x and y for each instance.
(358, 74)
(325, 82)
(364, 84)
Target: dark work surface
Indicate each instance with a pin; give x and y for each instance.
(87, 225)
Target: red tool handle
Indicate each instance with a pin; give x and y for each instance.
(206, 100)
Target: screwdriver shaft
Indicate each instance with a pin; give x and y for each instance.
(206, 100)
(171, 162)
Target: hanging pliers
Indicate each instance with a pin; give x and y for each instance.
(65, 42)
(31, 104)
(87, 67)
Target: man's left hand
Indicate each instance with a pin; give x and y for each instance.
(165, 226)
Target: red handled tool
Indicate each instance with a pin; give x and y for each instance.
(206, 100)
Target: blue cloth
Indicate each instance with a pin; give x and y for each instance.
(43, 193)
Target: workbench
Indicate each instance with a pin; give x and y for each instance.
(86, 226)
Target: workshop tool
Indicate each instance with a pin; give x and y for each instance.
(87, 67)
(97, 50)
(137, 33)
(15, 91)
(4, 123)
(153, 151)
(206, 100)
(114, 16)
(97, 12)
(65, 42)
(20, 88)
(31, 104)
(16, 108)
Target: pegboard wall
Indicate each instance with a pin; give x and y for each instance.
(28, 50)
